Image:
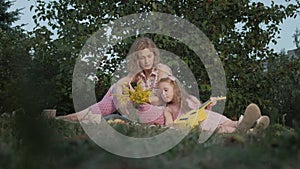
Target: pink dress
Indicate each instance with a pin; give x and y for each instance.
(150, 114)
(214, 121)
(218, 121)
(107, 105)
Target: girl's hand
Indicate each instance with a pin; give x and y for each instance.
(169, 123)
(213, 100)
(168, 117)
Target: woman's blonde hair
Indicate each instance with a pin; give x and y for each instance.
(138, 45)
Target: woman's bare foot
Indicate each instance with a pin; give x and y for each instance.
(79, 116)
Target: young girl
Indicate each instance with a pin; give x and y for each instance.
(179, 102)
(143, 64)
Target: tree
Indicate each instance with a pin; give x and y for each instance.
(7, 18)
(284, 88)
(14, 56)
(296, 37)
(243, 49)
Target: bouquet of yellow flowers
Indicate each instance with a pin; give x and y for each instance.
(137, 95)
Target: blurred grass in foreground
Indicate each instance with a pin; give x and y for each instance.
(48, 143)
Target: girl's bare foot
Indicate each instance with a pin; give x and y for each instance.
(252, 113)
(261, 124)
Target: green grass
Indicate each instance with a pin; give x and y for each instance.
(47, 143)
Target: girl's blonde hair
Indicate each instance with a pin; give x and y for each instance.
(138, 45)
(180, 95)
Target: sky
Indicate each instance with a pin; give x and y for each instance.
(288, 27)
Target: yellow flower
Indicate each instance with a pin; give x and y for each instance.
(137, 96)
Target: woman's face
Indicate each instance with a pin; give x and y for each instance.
(145, 59)
(167, 91)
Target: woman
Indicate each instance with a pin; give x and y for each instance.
(143, 65)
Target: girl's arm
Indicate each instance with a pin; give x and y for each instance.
(193, 102)
(168, 117)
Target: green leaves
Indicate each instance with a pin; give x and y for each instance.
(240, 31)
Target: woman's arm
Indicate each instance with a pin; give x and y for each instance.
(120, 86)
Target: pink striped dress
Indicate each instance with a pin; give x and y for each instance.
(213, 122)
(108, 104)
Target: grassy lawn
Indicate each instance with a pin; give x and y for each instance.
(47, 143)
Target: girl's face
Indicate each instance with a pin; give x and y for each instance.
(167, 91)
(146, 59)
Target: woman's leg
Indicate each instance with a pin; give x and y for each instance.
(104, 107)
(151, 114)
(75, 116)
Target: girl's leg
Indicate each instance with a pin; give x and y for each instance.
(261, 124)
(226, 129)
(225, 125)
(252, 113)
(218, 122)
